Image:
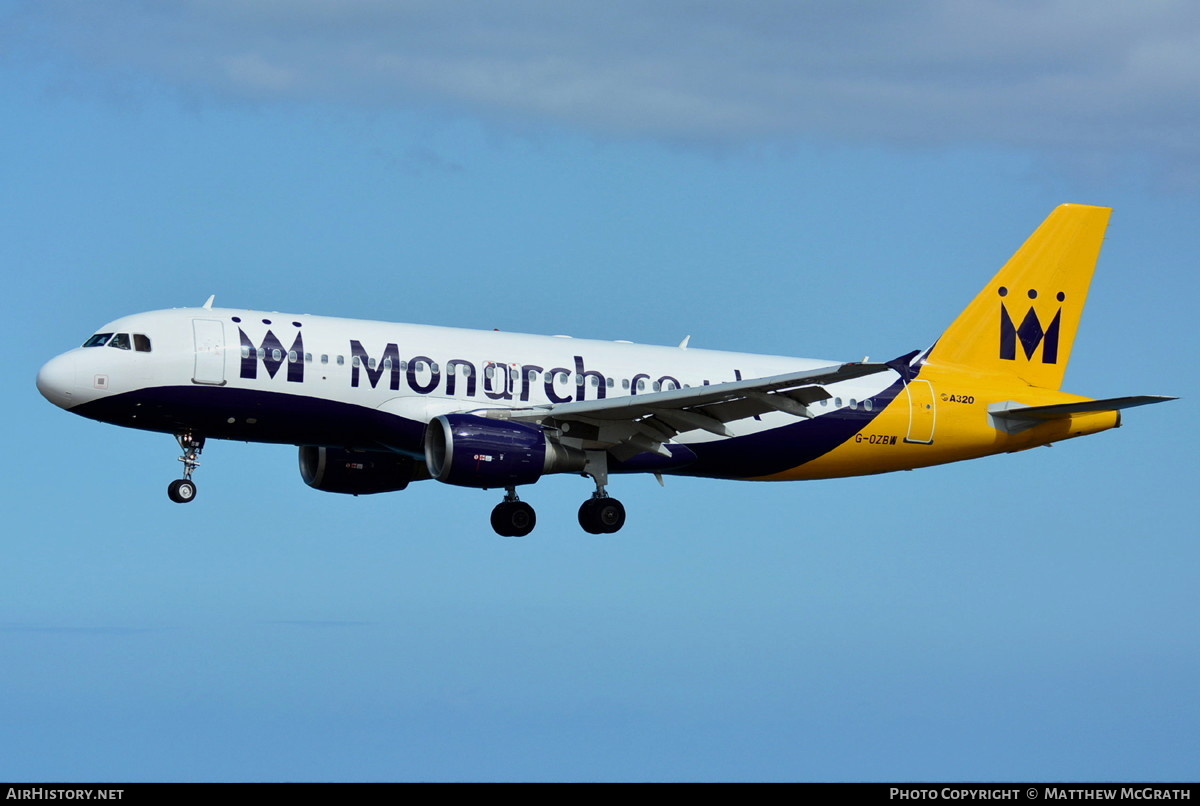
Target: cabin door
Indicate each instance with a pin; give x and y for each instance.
(210, 351)
(922, 412)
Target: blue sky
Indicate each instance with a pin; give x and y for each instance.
(824, 180)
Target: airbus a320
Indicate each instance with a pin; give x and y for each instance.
(376, 406)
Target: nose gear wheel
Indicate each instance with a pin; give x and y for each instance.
(183, 490)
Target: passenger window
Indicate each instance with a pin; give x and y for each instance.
(325, 358)
(292, 357)
(141, 342)
(120, 341)
(99, 340)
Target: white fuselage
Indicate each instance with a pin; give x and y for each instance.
(237, 373)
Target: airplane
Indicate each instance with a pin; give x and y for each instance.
(375, 406)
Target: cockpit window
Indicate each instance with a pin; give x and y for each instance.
(141, 342)
(99, 340)
(120, 341)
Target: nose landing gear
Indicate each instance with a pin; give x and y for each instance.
(183, 490)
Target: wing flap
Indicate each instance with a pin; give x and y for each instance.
(690, 419)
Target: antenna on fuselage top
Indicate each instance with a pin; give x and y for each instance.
(208, 303)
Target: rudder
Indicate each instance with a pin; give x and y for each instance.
(1024, 321)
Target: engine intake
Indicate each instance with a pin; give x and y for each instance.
(474, 451)
(336, 470)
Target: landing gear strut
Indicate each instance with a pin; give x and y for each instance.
(600, 514)
(512, 517)
(183, 490)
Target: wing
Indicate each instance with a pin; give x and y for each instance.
(633, 424)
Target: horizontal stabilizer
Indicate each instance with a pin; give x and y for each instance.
(1014, 417)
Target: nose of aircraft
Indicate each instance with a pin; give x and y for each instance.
(56, 380)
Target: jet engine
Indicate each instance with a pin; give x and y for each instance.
(472, 451)
(336, 470)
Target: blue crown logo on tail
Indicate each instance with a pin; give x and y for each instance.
(1030, 333)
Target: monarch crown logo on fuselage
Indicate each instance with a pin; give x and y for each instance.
(1030, 333)
(273, 356)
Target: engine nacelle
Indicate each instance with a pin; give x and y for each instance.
(475, 451)
(336, 470)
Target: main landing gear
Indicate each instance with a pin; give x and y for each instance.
(599, 515)
(183, 490)
(512, 517)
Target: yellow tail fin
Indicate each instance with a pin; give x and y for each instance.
(1024, 321)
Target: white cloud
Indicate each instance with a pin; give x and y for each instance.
(1062, 74)
(251, 71)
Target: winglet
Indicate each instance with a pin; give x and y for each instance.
(209, 302)
(903, 365)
